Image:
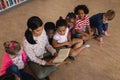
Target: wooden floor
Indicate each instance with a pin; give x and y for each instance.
(94, 63)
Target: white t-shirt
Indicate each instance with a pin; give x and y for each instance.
(61, 38)
(18, 62)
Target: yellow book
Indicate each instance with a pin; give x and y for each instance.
(62, 55)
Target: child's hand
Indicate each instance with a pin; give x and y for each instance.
(55, 54)
(69, 44)
(106, 33)
(49, 62)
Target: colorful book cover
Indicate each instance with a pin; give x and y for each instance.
(10, 2)
(5, 3)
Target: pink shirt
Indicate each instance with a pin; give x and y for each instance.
(82, 23)
(7, 62)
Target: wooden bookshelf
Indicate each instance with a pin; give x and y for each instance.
(7, 4)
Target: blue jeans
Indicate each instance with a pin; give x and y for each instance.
(23, 75)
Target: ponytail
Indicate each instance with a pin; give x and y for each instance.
(61, 22)
(60, 17)
(33, 23)
(29, 37)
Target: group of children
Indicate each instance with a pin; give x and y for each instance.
(43, 42)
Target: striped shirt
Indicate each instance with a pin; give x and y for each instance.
(82, 23)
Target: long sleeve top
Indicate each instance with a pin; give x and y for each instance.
(36, 51)
(96, 21)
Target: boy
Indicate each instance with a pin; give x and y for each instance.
(99, 22)
(50, 30)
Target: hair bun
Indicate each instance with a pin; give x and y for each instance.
(60, 17)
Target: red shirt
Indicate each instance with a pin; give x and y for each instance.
(82, 23)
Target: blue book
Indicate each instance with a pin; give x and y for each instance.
(10, 2)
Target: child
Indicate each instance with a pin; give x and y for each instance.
(62, 39)
(82, 27)
(14, 60)
(70, 18)
(50, 30)
(37, 48)
(100, 22)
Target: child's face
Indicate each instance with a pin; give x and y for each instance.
(61, 30)
(105, 20)
(71, 21)
(38, 31)
(50, 33)
(81, 14)
(19, 52)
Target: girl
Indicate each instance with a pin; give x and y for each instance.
(70, 18)
(14, 60)
(62, 39)
(82, 27)
(38, 48)
(99, 22)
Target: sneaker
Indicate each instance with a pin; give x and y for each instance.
(87, 45)
(71, 58)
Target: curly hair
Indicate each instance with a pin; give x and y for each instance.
(49, 26)
(12, 47)
(71, 15)
(61, 22)
(81, 7)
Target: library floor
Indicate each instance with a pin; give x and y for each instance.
(94, 63)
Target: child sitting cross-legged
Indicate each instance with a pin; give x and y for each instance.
(62, 39)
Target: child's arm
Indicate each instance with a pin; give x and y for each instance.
(69, 40)
(81, 32)
(6, 63)
(56, 44)
(89, 29)
(51, 49)
(105, 28)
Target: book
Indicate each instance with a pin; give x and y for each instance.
(62, 55)
(5, 3)
(10, 2)
(1, 5)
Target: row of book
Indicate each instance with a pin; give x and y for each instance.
(8, 3)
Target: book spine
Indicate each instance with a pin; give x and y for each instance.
(10, 2)
(1, 6)
(5, 3)
(17, 1)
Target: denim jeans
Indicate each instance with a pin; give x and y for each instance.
(23, 75)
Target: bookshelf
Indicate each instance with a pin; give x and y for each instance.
(7, 4)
